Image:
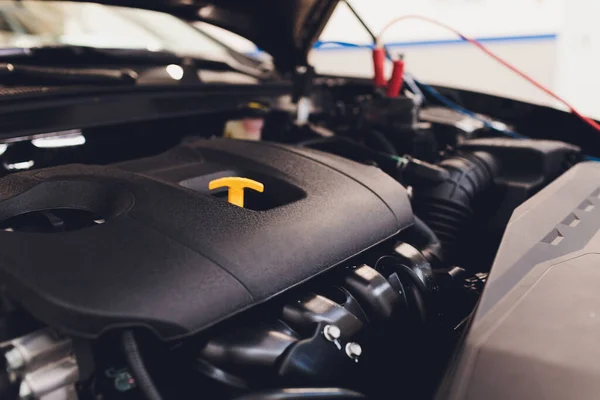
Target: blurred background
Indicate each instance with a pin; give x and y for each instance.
(555, 41)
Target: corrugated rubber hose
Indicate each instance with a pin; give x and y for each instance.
(447, 207)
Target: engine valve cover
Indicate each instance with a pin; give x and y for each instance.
(162, 251)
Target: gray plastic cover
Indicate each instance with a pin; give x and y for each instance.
(536, 332)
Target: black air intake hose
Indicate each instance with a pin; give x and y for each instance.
(447, 207)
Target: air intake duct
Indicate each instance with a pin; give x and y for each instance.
(447, 206)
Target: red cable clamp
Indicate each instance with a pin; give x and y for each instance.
(378, 63)
(395, 84)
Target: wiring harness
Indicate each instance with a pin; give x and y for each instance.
(379, 49)
(380, 53)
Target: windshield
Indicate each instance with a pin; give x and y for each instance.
(44, 23)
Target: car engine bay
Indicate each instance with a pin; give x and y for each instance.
(353, 267)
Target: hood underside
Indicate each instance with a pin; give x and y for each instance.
(286, 29)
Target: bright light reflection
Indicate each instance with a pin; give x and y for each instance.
(62, 139)
(175, 71)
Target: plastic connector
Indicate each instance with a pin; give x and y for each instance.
(415, 172)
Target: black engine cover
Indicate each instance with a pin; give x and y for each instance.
(176, 258)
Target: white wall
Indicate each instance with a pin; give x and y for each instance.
(473, 17)
(578, 55)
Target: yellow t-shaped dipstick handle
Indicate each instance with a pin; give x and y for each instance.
(236, 188)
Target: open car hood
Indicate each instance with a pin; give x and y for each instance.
(286, 29)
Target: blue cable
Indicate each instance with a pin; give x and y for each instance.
(320, 43)
(591, 158)
(452, 105)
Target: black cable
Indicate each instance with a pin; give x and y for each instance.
(430, 245)
(138, 369)
(364, 24)
(384, 142)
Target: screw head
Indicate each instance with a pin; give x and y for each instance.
(353, 350)
(332, 332)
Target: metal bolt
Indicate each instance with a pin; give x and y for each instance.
(353, 350)
(14, 359)
(332, 333)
